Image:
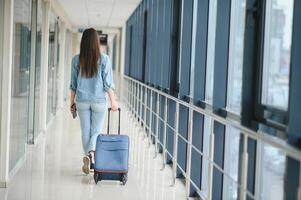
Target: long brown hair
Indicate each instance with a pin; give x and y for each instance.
(89, 53)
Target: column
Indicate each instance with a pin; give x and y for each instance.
(44, 64)
(62, 65)
(6, 90)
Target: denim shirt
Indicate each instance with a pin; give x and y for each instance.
(94, 89)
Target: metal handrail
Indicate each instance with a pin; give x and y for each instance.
(271, 140)
(217, 167)
(186, 141)
(133, 101)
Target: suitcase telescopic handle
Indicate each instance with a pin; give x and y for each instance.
(109, 111)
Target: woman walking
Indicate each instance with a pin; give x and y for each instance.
(91, 83)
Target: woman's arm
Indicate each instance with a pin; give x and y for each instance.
(113, 101)
(73, 83)
(72, 101)
(107, 76)
(72, 97)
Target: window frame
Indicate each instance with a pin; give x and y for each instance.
(184, 74)
(175, 48)
(254, 112)
(130, 49)
(263, 113)
(144, 54)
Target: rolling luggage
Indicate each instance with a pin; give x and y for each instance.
(112, 155)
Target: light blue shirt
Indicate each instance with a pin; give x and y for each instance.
(94, 89)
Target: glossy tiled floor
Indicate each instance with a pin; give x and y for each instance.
(52, 170)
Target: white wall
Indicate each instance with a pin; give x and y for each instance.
(6, 90)
(5, 77)
(1, 50)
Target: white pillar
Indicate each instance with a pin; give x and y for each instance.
(6, 90)
(32, 71)
(44, 64)
(68, 53)
(62, 66)
(122, 49)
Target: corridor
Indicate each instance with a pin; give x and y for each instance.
(209, 91)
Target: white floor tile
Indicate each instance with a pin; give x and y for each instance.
(53, 169)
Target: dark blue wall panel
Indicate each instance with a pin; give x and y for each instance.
(200, 51)
(166, 40)
(219, 141)
(170, 132)
(182, 145)
(294, 128)
(221, 53)
(186, 36)
(196, 158)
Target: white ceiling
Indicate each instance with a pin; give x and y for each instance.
(99, 13)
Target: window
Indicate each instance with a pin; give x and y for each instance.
(38, 68)
(51, 65)
(271, 172)
(206, 142)
(231, 163)
(210, 50)
(20, 80)
(276, 53)
(235, 64)
(209, 91)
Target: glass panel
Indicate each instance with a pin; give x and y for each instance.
(67, 63)
(277, 52)
(272, 173)
(56, 68)
(38, 68)
(231, 163)
(236, 43)
(206, 142)
(208, 92)
(52, 67)
(20, 80)
(210, 50)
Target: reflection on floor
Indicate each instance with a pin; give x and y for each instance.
(18, 129)
(53, 169)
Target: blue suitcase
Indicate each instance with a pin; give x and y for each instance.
(111, 155)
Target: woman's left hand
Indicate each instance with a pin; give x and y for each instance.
(72, 107)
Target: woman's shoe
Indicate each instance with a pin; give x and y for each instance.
(86, 166)
(92, 167)
(91, 163)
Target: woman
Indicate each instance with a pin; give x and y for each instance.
(91, 81)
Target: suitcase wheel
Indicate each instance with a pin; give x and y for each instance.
(124, 178)
(97, 177)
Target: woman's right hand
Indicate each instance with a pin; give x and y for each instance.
(114, 105)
